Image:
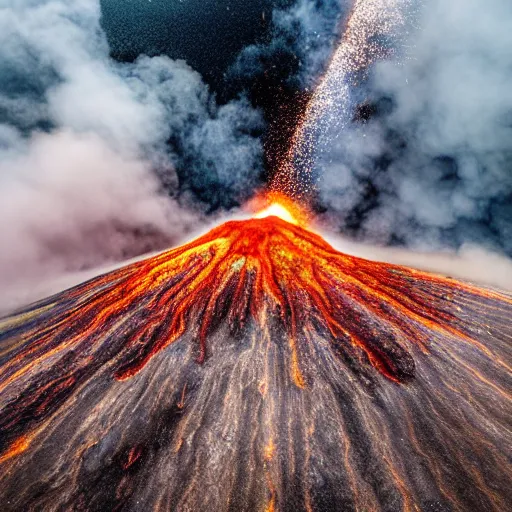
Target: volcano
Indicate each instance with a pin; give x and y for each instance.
(258, 368)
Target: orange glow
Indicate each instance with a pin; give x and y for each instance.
(269, 450)
(271, 507)
(275, 204)
(17, 448)
(277, 210)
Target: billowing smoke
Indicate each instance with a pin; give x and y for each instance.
(102, 160)
(427, 162)
(89, 147)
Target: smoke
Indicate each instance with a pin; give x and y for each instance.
(430, 165)
(91, 149)
(102, 161)
(303, 38)
(470, 263)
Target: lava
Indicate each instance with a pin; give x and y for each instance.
(250, 270)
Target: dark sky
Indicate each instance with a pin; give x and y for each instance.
(208, 34)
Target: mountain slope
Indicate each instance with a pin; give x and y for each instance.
(257, 368)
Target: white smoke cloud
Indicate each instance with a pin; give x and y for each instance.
(70, 202)
(435, 171)
(470, 263)
(82, 139)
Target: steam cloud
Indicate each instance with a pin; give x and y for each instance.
(432, 168)
(87, 175)
(101, 161)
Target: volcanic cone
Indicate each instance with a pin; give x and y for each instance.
(257, 368)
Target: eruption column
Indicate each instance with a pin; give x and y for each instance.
(370, 26)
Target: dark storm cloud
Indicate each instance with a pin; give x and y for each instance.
(432, 166)
(83, 139)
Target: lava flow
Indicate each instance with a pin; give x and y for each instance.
(261, 344)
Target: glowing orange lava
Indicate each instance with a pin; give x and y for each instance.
(275, 204)
(276, 210)
(260, 270)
